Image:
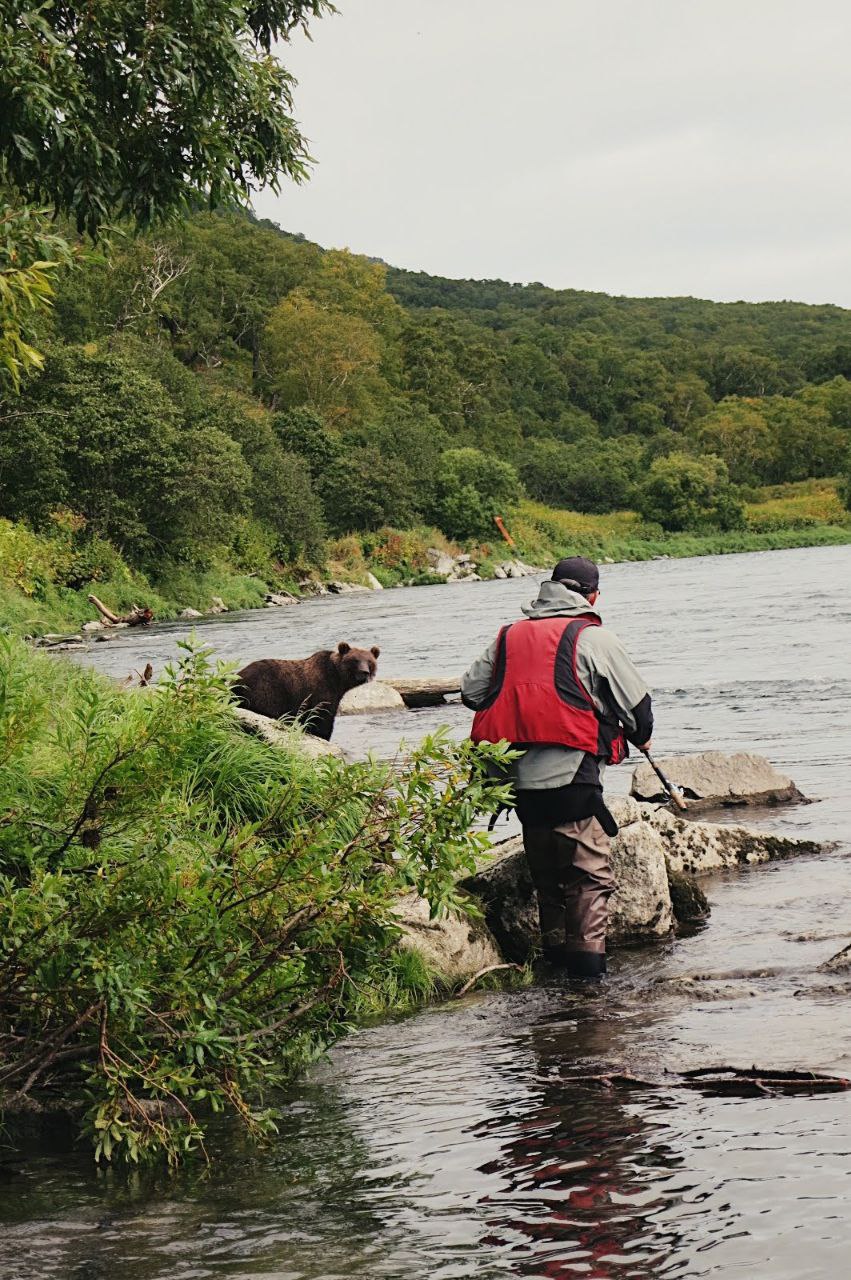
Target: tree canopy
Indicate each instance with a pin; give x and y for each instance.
(120, 111)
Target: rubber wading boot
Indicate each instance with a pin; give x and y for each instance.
(574, 964)
(584, 964)
(554, 957)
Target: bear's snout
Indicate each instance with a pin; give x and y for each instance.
(363, 674)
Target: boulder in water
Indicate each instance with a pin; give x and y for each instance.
(654, 857)
(697, 847)
(505, 891)
(374, 696)
(639, 910)
(453, 946)
(840, 963)
(689, 901)
(712, 780)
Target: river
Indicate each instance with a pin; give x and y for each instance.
(455, 1143)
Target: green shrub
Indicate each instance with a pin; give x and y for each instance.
(588, 477)
(188, 914)
(683, 492)
(471, 488)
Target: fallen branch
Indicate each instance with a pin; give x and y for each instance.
(491, 968)
(139, 679)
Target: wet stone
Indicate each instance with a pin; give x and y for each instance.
(712, 780)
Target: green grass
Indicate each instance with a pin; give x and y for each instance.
(810, 514)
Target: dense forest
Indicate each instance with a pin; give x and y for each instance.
(222, 395)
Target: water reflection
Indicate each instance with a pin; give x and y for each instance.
(581, 1171)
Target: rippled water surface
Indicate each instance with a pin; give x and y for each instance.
(458, 1143)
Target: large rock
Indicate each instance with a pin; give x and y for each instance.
(697, 847)
(286, 736)
(374, 696)
(840, 963)
(453, 947)
(336, 588)
(713, 780)
(639, 910)
(516, 569)
(440, 563)
(505, 890)
(652, 849)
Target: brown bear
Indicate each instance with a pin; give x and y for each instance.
(309, 689)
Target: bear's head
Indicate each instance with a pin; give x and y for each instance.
(357, 666)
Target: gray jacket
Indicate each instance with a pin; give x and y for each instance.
(605, 670)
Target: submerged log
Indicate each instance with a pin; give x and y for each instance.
(736, 1081)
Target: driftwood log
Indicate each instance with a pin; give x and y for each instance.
(425, 691)
(135, 618)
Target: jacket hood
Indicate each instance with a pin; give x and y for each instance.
(555, 600)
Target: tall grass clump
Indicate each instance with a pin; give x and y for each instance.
(188, 914)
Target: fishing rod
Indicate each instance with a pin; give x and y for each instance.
(672, 790)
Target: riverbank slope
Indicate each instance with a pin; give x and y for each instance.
(45, 580)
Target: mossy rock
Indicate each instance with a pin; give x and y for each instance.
(687, 898)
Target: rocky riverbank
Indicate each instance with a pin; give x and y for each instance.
(659, 859)
(442, 568)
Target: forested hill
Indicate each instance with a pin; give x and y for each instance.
(816, 340)
(219, 394)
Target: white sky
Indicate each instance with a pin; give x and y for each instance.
(643, 147)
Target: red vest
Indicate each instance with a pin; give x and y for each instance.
(536, 696)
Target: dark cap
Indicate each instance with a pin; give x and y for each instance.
(579, 571)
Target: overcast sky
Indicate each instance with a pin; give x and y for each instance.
(643, 147)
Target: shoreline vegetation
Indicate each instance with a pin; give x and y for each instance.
(189, 915)
(33, 602)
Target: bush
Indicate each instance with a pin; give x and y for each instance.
(682, 492)
(281, 492)
(96, 434)
(470, 489)
(364, 490)
(302, 431)
(798, 506)
(185, 911)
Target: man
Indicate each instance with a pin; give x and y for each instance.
(561, 687)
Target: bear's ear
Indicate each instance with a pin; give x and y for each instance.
(375, 651)
(343, 648)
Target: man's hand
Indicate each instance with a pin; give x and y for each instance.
(645, 746)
